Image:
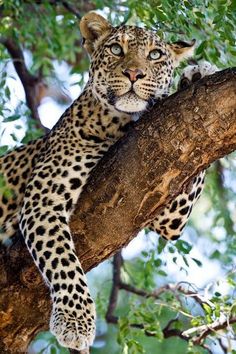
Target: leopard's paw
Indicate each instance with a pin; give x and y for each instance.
(195, 72)
(74, 325)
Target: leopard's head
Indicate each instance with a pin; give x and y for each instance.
(130, 67)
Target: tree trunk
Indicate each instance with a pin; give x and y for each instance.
(149, 166)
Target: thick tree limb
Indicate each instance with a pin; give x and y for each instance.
(141, 173)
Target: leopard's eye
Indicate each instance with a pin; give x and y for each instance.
(116, 50)
(155, 54)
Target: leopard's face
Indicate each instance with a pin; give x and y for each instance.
(130, 66)
(131, 69)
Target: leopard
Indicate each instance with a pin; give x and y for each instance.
(131, 68)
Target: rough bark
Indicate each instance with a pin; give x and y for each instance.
(138, 176)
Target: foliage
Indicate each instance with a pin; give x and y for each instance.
(212, 23)
(48, 33)
(46, 343)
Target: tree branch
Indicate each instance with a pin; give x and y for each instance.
(200, 332)
(132, 183)
(204, 330)
(30, 82)
(116, 281)
(71, 9)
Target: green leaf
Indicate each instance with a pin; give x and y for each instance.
(208, 309)
(157, 262)
(161, 245)
(183, 246)
(134, 347)
(3, 149)
(145, 254)
(11, 118)
(53, 350)
(47, 336)
(217, 294)
(215, 255)
(124, 329)
(185, 261)
(162, 273)
(155, 330)
(199, 263)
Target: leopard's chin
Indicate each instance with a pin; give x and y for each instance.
(130, 103)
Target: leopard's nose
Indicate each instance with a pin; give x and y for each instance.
(134, 74)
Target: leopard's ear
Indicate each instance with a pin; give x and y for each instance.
(182, 50)
(93, 27)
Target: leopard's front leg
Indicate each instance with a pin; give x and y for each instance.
(50, 195)
(171, 221)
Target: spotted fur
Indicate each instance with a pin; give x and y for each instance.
(170, 223)
(47, 175)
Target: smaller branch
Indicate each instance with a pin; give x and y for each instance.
(204, 330)
(65, 4)
(134, 290)
(72, 9)
(117, 284)
(168, 287)
(205, 346)
(169, 324)
(29, 81)
(170, 332)
(223, 347)
(167, 333)
(156, 293)
(223, 200)
(117, 263)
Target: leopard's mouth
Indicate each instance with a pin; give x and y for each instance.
(130, 102)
